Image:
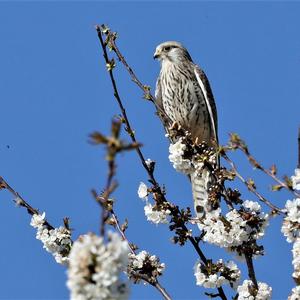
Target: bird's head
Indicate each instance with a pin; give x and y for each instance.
(171, 51)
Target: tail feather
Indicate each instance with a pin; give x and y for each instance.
(200, 185)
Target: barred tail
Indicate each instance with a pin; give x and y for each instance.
(200, 184)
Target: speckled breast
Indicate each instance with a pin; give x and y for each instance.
(183, 101)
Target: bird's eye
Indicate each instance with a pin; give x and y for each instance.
(167, 48)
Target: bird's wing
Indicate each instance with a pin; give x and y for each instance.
(158, 95)
(209, 99)
(159, 105)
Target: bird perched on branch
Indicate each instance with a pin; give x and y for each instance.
(184, 95)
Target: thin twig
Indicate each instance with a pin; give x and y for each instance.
(117, 224)
(161, 113)
(144, 277)
(250, 187)
(162, 290)
(155, 284)
(259, 166)
(21, 202)
(156, 186)
(104, 212)
(128, 68)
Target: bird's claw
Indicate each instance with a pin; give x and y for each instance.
(175, 126)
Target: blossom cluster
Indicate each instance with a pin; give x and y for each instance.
(215, 275)
(95, 268)
(296, 259)
(291, 230)
(295, 295)
(56, 241)
(176, 157)
(145, 264)
(247, 291)
(236, 227)
(296, 180)
(153, 213)
(291, 223)
(187, 160)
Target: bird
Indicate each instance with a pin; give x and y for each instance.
(184, 95)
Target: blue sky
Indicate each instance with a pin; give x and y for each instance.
(55, 91)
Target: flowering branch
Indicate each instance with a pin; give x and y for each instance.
(57, 241)
(178, 217)
(114, 145)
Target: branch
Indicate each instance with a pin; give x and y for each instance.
(239, 144)
(156, 187)
(21, 202)
(145, 88)
(251, 272)
(251, 188)
(108, 190)
(114, 145)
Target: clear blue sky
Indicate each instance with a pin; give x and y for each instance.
(54, 92)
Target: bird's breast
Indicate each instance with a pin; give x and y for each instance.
(184, 102)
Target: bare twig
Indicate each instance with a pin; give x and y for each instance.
(240, 144)
(21, 202)
(107, 192)
(259, 166)
(156, 284)
(134, 78)
(156, 187)
(250, 187)
(145, 88)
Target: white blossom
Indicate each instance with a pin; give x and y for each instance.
(230, 270)
(296, 258)
(293, 210)
(143, 261)
(95, 268)
(295, 295)
(137, 260)
(231, 231)
(236, 273)
(291, 223)
(181, 164)
(152, 213)
(296, 179)
(57, 241)
(142, 191)
(252, 205)
(246, 291)
(156, 216)
(38, 220)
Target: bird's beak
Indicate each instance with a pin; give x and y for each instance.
(156, 54)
